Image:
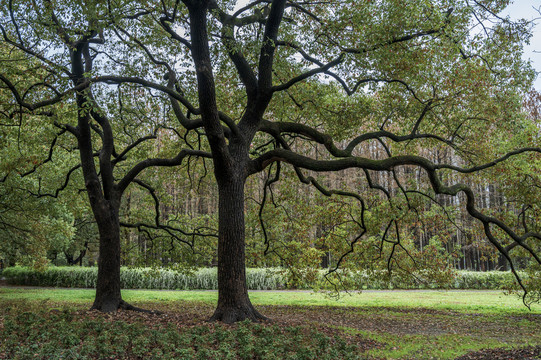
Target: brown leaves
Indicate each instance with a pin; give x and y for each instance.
(527, 353)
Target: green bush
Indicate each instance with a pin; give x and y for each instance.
(483, 280)
(82, 277)
(257, 279)
(138, 278)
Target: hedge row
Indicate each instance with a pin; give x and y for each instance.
(137, 278)
(489, 280)
(206, 279)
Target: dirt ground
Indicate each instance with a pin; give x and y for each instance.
(423, 322)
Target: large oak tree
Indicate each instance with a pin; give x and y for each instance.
(429, 73)
(53, 44)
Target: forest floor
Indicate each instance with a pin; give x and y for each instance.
(31, 323)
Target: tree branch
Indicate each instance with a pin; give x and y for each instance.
(161, 162)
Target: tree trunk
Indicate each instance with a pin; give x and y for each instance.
(233, 302)
(108, 298)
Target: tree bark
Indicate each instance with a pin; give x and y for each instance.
(233, 301)
(108, 297)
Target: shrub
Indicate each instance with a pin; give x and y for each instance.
(83, 277)
(483, 280)
(257, 279)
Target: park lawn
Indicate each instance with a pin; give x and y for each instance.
(372, 324)
(481, 301)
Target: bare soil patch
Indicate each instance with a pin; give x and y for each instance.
(527, 353)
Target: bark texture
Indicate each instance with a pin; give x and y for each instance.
(233, 301)
(108, 297)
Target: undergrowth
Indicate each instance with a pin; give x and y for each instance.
(70, 334)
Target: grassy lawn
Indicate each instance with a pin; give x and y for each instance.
(456, 300)
(368, 325)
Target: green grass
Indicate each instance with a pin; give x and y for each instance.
(459, 300)
(422, 346)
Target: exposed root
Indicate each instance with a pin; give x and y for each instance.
(125, 306)
(230, 315)
(106, 305)
(114, 305)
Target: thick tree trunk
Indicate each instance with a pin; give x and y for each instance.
(108, 298)
(233, 302)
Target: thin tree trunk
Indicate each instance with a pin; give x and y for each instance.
(233, 301)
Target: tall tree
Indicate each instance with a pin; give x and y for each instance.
(29, 225)
(59, 37)
(423, 72)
